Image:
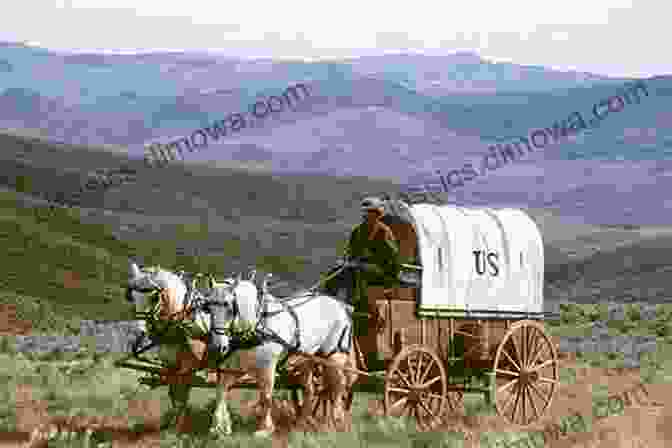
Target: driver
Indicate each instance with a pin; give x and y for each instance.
(371, 259)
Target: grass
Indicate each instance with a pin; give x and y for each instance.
(655, 366)
(40, 246)
(72, 384)
(58, 270)
(77, 385)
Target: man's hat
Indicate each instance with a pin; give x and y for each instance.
(373, 203)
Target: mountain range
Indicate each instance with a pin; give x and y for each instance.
(398, 118)
(413, 110)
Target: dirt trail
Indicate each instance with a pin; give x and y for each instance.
(648, 426)
(10, 324)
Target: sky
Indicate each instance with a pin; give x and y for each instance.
(607, 37)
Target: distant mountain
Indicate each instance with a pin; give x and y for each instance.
(467, 72)
(414, 112)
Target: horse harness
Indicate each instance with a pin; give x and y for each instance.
(262, 333)
(196, 300)
(158, 331)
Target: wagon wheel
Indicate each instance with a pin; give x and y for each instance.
(416, 386)
(526, 372)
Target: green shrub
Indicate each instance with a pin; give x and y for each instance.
(7, 345)
(571, 313)
(633, 313)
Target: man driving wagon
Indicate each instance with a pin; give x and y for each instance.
(371, 259)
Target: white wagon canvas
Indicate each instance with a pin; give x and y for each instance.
(478, 262)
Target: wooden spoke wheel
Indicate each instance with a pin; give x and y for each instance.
(416, 386)
(526, 373)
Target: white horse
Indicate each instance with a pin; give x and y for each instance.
(309, 323)
(322, 323)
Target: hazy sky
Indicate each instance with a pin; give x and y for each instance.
(613, 37)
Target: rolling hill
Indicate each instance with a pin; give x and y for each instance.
(60, 264)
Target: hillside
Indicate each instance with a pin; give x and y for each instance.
(218, 220)
(57, 269)
(61, 264)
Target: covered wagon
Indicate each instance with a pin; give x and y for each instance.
(467, 315)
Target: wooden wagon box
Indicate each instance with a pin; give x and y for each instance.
(473, 265)
(479, 287)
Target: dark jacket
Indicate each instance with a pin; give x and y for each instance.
(378, 247)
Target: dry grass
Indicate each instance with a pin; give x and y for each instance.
(82, 400)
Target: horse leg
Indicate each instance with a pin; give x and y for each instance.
(168, 355)
(179, 389)
(306, 410)
(337, 382)
(179, 397)
(266, 382)
(221, 419)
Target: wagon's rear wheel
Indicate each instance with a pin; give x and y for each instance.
(416, 386)
(526, 373)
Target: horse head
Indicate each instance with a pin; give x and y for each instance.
(233, 306)
(155, 291)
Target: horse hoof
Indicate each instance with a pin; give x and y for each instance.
(220, 433)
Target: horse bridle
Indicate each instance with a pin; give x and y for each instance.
(260, 328)
(155, 291)
(152, 316)
(235, 308)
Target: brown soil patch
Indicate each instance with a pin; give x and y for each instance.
(71, 280)
(642, 425)
(32, 419)
(646, 426)
(10, 324)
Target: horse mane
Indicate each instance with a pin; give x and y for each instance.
(165, 277)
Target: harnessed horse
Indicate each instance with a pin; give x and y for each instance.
(246, 328)
(173, 318)
(309, 323)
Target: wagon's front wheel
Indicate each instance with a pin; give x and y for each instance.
(416, 386)
(526, 373)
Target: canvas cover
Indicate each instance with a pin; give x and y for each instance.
(478, 259)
